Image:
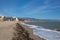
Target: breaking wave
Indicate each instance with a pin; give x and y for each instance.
(48, 34)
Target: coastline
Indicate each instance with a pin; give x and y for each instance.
(42, 32)
(10, 30)
(32, 35)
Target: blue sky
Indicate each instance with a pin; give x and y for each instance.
(41, 9)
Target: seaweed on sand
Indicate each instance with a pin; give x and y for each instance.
(21, 33)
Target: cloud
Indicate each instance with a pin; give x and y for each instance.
(37, 10)
(29, 8)
(43, 9)
(8, 10)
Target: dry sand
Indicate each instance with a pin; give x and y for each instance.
(8, 28)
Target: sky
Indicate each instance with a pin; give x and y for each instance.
(40, 9)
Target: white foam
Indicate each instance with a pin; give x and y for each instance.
(44, 33)
(30, 26)
(47, 34)
(47, 30)
(34, 26)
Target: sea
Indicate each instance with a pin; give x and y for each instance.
(46, 30)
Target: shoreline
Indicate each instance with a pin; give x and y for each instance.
(44, 32)
(30, 30)
(10, 30)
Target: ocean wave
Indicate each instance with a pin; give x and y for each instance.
(38, 27)
(47, 30)
(30, 26)
(48, 34)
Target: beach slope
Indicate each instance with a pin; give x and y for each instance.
(10, 30)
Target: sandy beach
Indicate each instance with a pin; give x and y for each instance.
(6, 30)
(10, 30)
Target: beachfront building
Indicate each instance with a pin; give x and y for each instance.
(18, 19)
(8, 19)
(15, 19)
(11, 19)
(2, 18)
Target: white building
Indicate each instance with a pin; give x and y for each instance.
(16, 19)
(2, 18)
